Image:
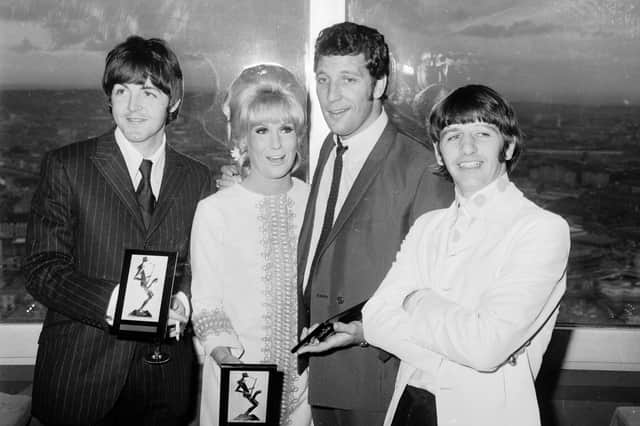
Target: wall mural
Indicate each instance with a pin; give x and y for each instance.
(572, 70)
(51, 62)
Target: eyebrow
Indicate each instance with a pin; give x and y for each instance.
(449, 129)
(357, 72)
(456, 126)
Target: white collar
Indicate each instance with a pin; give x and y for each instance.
(361, 144)
(133, 158)
(473, 206)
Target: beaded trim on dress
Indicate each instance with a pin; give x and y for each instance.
(210, 321)
(279, 245)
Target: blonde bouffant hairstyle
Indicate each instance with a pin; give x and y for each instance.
(264, 92)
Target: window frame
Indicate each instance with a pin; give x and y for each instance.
(582, 346)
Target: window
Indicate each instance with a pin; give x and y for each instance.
(52, 60)
(573, 78)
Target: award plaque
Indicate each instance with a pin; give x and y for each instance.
(146, 284)
(249, 394)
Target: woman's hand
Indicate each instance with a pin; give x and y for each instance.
(229, 176)
(222, 355)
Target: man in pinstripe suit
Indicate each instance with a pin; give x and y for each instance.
(84, 214)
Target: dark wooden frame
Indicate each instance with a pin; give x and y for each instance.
(267, 380)
(129, 326)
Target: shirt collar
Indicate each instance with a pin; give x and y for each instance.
(362, 143)
(475, 206)
(133, 158)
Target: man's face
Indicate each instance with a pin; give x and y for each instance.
(140, 111)
(470, 152)
(349, 97)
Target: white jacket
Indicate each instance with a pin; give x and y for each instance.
(479, 296)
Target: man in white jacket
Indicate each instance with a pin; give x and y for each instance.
(470, 303)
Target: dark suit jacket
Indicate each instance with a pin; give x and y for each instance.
(394, 187)
(83, 216)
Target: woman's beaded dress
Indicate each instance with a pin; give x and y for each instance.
(244, 295)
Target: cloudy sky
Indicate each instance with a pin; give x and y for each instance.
(544, 50)
(62, 43)
(568, 51)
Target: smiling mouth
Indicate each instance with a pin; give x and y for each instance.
(276, 159)
(135, 119)
(338, 112)
(469, 164)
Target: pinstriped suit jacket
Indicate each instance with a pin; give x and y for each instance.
(83, 216)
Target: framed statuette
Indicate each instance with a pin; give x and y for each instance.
(249, 394)
(146, 284)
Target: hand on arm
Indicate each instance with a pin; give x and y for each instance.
(230, 175)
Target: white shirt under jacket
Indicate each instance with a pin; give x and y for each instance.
(487, 272)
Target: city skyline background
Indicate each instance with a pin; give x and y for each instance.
(579, 109)
(549, 51)
(62, 44)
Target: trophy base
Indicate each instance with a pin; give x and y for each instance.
(156, 357)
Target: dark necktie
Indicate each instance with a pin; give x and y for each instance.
(144, 194)
(328, 217)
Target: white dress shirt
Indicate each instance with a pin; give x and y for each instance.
(133, 159)
(360, 146)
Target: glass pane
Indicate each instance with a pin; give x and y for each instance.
(51, 63)
(572, 71)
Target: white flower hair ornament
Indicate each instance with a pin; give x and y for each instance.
(239, 157)
(236, 155)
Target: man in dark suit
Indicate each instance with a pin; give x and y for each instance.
(125, 189)
(386, 181)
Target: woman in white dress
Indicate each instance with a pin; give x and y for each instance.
(244, 239)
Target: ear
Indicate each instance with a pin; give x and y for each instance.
(379, 88)
(436, 151)
(508, 153)
(175, 106)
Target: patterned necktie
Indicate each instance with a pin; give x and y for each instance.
(144, 194)
(328, 217)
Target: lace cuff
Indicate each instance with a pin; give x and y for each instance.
(213, 328)
(207, 322)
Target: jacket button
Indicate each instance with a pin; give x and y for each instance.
(340, 300)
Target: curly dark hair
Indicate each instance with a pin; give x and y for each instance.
(348, 38)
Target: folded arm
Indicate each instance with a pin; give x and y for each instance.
(511, 309)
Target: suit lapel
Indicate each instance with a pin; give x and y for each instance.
(304, 240)
(369, 170)
(172, 180)
(110, 163)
